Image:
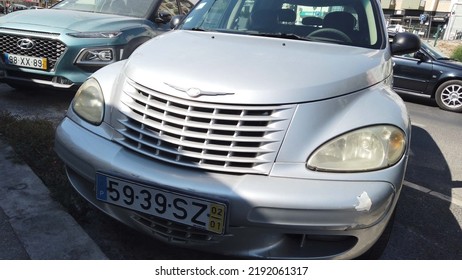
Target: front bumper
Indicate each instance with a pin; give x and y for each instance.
(64, 71)
(268, 216)
(69, 78)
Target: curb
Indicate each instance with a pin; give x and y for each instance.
(33, 225)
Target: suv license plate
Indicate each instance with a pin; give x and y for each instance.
(26, 61)
(188, 210)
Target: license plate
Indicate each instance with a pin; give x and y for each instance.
(26, 61)
(188, 210)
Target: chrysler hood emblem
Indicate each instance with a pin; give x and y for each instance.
(195, 92)
(26, 44)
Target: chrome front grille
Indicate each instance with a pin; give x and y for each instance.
(49, 48)
(220, 137)
(174, 233)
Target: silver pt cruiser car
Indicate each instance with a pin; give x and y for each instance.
(258, 128)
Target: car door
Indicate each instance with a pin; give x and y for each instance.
(412, 72)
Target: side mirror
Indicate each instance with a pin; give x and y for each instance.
(404, 43)
(176, 20)
(163, 17)
(420, 56)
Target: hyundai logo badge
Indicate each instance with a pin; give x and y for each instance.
(26, 44)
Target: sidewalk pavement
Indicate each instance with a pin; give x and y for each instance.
(32, 225)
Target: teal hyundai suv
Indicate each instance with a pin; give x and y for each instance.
(61, 46)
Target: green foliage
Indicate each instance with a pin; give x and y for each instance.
(457, 54)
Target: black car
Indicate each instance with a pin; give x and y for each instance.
(429, 73)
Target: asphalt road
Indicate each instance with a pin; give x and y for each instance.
(429, 214)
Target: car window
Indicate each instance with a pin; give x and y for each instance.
(428, 51)
(340, 21)
(169, 6)
(134, 8)
(436, 54)
(186, 6)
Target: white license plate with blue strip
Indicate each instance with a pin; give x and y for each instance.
(188, 210)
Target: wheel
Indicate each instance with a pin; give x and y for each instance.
(330, 33)
(449, 96)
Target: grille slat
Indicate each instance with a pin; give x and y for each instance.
(221, 145)
(49, 48)
(211, 132)
(211, 136)
(142, 102)
(174, 233)
(210, 149)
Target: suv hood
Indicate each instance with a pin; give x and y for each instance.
(249, 69)
(57, 21)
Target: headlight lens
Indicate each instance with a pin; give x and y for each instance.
(88, 102)
(109, 35)
(102, 56)
(365, 149)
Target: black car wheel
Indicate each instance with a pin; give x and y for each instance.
(449, 96)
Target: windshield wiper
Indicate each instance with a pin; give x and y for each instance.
(281, 35)
(197, 29)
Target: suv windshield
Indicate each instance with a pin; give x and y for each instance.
(351, 22)
(134, 8)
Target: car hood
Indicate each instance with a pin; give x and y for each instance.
(449, 63)
(253, 69)
(57, 21)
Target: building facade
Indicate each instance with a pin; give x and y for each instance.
(428, 18)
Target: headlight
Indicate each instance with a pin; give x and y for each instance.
(365, 149)
(99, 56)
(88, 102)
(109, 35)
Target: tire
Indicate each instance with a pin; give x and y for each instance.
(448, 96)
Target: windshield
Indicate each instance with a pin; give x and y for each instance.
(133, 8)
(436, 54)
(350, 22)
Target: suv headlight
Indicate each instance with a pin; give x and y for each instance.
(88, 102)
(100, 56)
(112, 34)
(365, 149)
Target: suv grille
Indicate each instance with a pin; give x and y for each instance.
(44, 47)
(230, 138)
